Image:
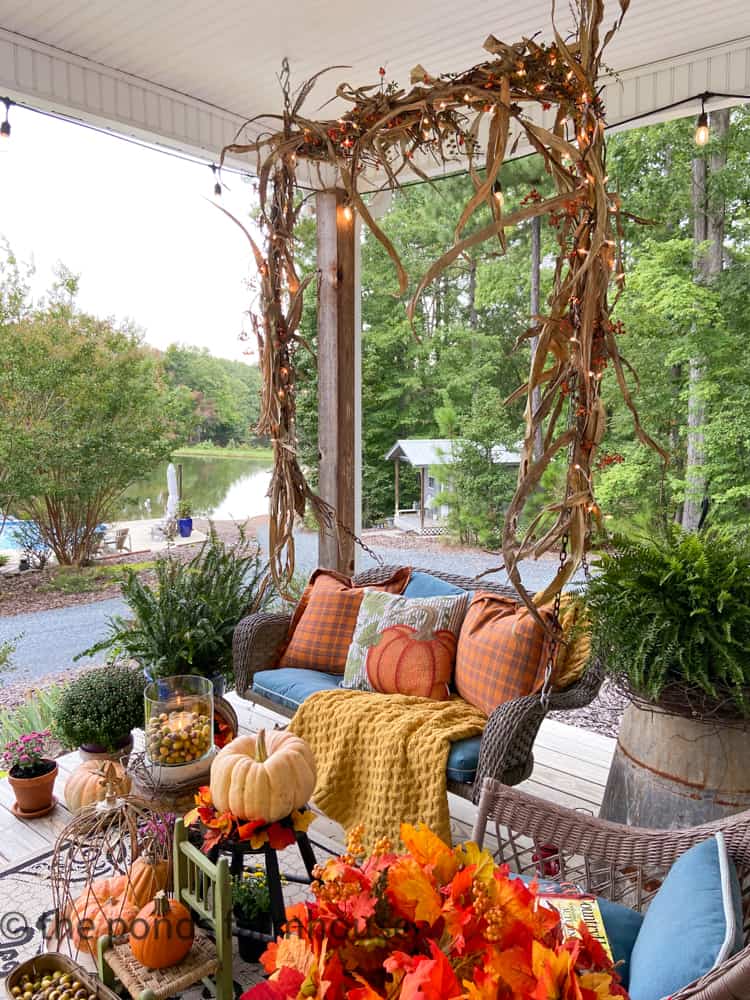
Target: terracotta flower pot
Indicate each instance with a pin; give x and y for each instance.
(34, 795)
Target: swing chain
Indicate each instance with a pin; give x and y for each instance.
(556, 630)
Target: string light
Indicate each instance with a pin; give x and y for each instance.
(217, 185)
(348, 213)
(5, 126)
(497, 193)
(702, 134)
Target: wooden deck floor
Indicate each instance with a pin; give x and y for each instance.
(571, 769)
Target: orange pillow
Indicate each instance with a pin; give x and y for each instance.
(323, 624)
(502, 652)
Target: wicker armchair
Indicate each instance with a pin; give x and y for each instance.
(508, 739)
(624, 864)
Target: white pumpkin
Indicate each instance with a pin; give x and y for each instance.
(264, 776)
(86, 785)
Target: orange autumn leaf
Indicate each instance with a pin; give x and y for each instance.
(470, 854)
(431, 979)
(429, 850)
(556, 979)
(598, 983)
(412, 892)
(512, 967)
(364, 992)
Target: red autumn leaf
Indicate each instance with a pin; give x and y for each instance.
(210, 839)
(280, 836)
(246, 830)
(264, 991)
(290, 981)
(432, 979)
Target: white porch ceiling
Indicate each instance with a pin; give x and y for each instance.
(187, 73)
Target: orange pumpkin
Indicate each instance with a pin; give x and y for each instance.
(146, 877)
(95, 916)
(162, 933)
(413, 661)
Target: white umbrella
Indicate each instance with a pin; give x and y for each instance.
(172, 489)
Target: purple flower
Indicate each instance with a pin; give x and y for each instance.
(24, 758)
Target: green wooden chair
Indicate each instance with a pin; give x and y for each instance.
(205, 889)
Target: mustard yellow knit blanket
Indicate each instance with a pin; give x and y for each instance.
(382, 759)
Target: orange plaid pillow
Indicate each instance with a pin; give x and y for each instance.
(323, 624)
(502, 652)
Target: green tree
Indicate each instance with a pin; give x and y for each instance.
(84, 411)
(226, 394)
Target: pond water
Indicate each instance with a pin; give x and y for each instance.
(221, 488)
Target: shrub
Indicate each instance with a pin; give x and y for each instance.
(37, 712)
(672, 614)
(100, 707)
(28, 535)
(184, 623)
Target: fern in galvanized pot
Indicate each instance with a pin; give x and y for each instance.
(671, 618)
(183, 624)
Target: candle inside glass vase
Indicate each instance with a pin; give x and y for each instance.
(179, 722)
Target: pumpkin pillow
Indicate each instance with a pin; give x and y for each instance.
(323, 623)
(502, 652)
(405, 645)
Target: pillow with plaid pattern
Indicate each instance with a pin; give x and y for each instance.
(323, 623)
(405, 645)
(502, 652)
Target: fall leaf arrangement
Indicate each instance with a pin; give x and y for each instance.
(474, 118)
(432, 923)
(222, 828)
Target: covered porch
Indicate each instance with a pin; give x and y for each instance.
(177, 77)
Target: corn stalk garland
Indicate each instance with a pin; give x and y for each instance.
(388, 129)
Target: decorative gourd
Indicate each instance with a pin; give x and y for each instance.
(264, 776)
(95, 916)
(146, 877)
(86, 784)
(162, 934)
(413, 661)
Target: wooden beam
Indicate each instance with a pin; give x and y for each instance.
(396, 483)
(338, 376)
(422, 479)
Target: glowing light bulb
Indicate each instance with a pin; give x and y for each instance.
(347, 212)
(702, 133)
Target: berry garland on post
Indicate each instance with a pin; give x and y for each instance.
(440, 117)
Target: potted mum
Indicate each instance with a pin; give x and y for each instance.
(31, 774)
(251, 902)
(670, 621)
(185, 518)
(98, 711)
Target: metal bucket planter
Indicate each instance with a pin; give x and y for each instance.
(674, 771)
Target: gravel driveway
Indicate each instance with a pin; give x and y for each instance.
(50, 639)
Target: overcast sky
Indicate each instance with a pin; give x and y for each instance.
(134, 224)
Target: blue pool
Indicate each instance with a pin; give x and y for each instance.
(7, 534)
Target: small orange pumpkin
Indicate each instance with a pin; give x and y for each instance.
(95, 916)
(145, 878)
(413, 661)
(162, 933)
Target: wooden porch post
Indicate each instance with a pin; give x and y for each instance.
(339, 439)
(396, 471)
(422, 479)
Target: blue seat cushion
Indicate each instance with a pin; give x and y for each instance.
(620, 922)
(425, 585)
(693, 925)
(289, 686)
(463, 759)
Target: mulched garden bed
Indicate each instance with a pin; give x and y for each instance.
(22, 593)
